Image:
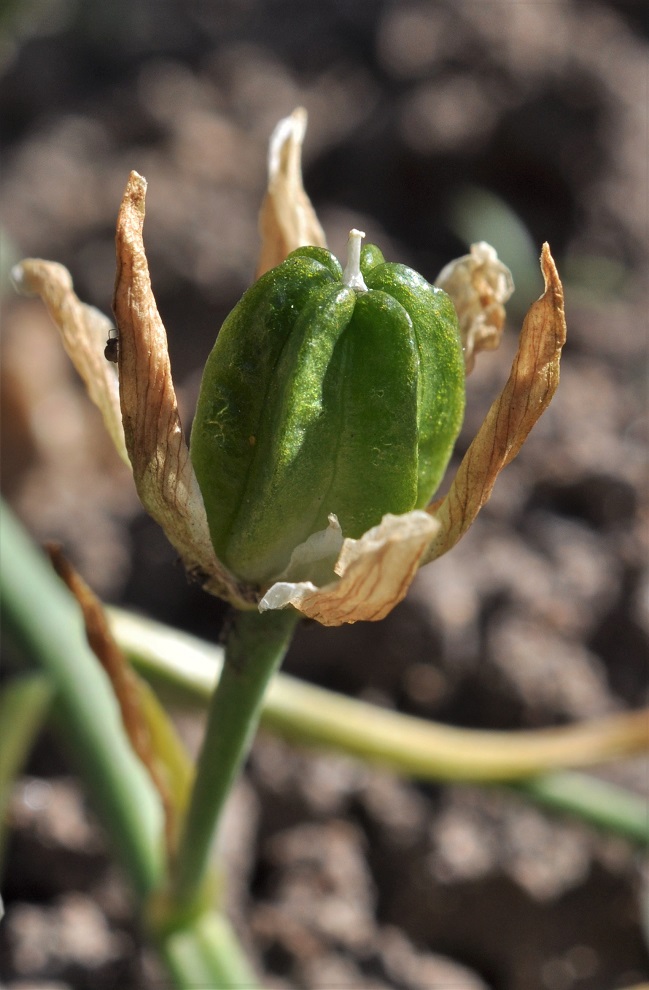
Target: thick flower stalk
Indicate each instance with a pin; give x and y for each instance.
(367, 572)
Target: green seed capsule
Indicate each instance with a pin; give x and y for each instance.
(326, 392)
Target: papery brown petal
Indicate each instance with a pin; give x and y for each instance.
(84, 331)
(126, 684)
(479, 285)
(375, 574)
(287, 219)
(532, 383)
(164, 476)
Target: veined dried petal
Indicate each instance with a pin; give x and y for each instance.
(287, 219)
(375, 574)
(479, 285)
(84, 331)
(150, 731)
(532, 383)
(162, 470)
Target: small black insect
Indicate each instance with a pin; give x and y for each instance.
(112, 344)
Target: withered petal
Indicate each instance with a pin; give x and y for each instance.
(149, 729)
(287, 219)
(532, 383)
(375, 574)
(479, 286)
(84, 331)
(162, 469)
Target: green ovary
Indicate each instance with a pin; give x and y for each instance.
(320, 398)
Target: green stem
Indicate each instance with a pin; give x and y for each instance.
(207, 954)
(443, 752)
(43, 621)
(425, 749)
(594, 800)
(256, 647)
(188, 667)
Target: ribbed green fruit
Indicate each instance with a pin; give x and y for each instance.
(326, 392)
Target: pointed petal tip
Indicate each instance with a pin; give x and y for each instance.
(552, 281)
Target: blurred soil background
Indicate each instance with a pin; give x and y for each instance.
(431, 125)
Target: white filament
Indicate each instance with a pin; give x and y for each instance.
(352, 276)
